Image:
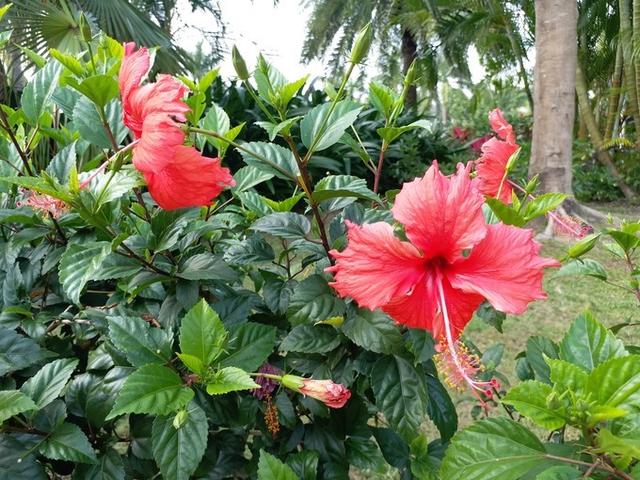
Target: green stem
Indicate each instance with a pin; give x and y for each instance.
(259, 102)
(271, 376)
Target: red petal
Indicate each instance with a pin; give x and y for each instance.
(376, 266)
(505, 268)
(157, 145)
(135, 65)
(421, 308)
(442, 216)
(503, 129)
(189, 180)
(491, 167)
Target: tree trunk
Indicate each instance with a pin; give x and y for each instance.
(596, 139)
(554, 98)
(626, 37)
(409, 51)
(614, 95)
(636, 60)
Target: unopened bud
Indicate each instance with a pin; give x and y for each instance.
(180, 419)
(410, 76)
(239, 64)
(85, 29)
(361, 44)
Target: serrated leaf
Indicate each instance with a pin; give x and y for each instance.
(507, 214)
(141, 343)
(13, 402)
(389, 134)
(440, 408)
(382, 98)
(230, 379)
(18, 352)
(100, 89)
(46, 385)
(62, 163)
(87, 121)
(270, 468)
(37, 94)
(16, 462)
(206, 266)
(587, 343)
(542, 204)
(151, 389)
(248, 177)
(321, 131)
(178, 451)
(68, 442)
(249, 346)
(216, 120)
(311, 339)
(400, 394)
(202, 334)
(272, 159)
(313, 301)
(373, 331)
(566, 375)
(492, 449)
(538, 350)
(70, 62)
(585, 266)
(530, 399)
(273, 129)
(109, 467)
(287, 225)
(78, 264)
(337, 186)
(616, 383)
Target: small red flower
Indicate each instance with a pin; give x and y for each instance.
(460, 133)
(477, 144)
(492, 164)
(178, 176)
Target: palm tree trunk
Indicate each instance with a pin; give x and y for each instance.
(554, 98)
(636, 61)
(603, 156)
(626, 37)
(614, 94)
(409, 50)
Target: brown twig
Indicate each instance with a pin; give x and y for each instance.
(7, 128)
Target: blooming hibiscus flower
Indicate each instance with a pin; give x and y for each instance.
(177, 176)
(496, 152)
(451, 263)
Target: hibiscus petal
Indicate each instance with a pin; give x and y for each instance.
(505, 268)
(421, 307)
(135, 65)
(491, 167)
(442, 216)
(503, 129)
(376, 266)
(189, 180)
(157, 145)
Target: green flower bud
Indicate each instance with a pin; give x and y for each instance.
(410, 76)
(239, 64)
(85, 29)
(180, 419)
(361, 44)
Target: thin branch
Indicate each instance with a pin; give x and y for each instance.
(7, 128)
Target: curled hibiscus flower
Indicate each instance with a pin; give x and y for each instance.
(451, 263)
(492, 164)
(177, 175)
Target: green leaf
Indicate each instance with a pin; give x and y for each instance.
(530, 399)
(389, 134)
(616, 383)
(248, 177)
(230, 379)
(566, 375)
(337, 186)
(507, 214)
(249, 346)
(538, 349)
(561, 472)
(62, 163)
(70, 62)
(287, 225)
(382, 99)
(37, 94)
(304, 464)
(400, 394)
(373, 331)
(287, 91)
(46, 385)
(584, 266)
(272, 159)
(588, 343)
(139, 341)
(270, 468)
(151, 389)
(18, 352)
(490, 315)
(314, 130)
(206, 266)
(285, 205)
(365, 454)
(78, 264)
(542, 204)
(217, 121)
(109, 467)
(18, 461)
(313, 301)
(273, 129)
(202, 334)
(178, 452)
(68, 442)
(100, 89)
(393, 448)
(311, 339)
(87, 121)
(13, 402)
(618, 446)
(440, 408)
(88, 396)
(492, 449)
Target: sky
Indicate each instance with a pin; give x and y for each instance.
(277, 32)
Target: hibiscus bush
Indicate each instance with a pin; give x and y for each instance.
(161, 318)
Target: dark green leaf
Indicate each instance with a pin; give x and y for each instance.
(270, 468)
(441, 409)
(37, 94)
(13, 402)
(322, 132)
(304, 464)
(336, 186)
(272, 159)
(67, 442)
(46, 385)
(288, 225)
(206, 266)
(202, 334)
(139, 341)
(311, 339)
(78, 265)
(537, 349)
(373, 331)
(248, 177)
(364, 453)
(313, 301)
(18, 352)
(109, 467)
(249, 346)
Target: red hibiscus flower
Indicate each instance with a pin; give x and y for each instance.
(178, 176)
(496, 152)
(451, 263)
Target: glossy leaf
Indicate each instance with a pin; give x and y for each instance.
(530, 399)
(139, 341)
(373, 331)
(311, 339)
(249, 346)
(37, 93)
(79, 263)
(271, 159)
(68, 442)
(230, 379)
(287, 225)
(13, 402)
(321, 131)
(202, 334)
(270, 468)
(47, 384)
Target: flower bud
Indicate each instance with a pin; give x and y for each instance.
(180, 419)
(361, 44)
(410, 76)
(333, 395)
(239, 64)
(85, 29)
